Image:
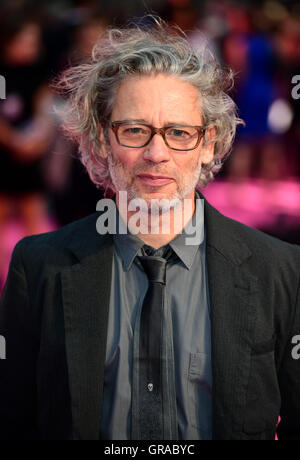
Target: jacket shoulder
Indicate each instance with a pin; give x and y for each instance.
(231, 237)
(263, 246)
(53, 247)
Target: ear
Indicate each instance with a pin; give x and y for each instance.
(207, 150)
(103, 152)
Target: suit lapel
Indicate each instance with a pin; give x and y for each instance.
(86, 294)
(232, 290)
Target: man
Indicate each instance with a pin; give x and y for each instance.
(96, 348)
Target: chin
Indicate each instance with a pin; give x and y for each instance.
(154, 194)
(174, 199)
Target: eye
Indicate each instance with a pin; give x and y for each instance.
(133, 130)
(178, 132)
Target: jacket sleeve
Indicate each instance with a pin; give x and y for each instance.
(289, 380)
(19, 347)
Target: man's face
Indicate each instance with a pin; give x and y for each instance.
(158, 100)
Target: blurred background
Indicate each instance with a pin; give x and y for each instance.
(42, 184)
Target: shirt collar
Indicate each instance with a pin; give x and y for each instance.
(129, 246)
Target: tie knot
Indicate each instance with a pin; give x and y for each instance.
(155, 265)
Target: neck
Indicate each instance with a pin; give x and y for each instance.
(158, 229)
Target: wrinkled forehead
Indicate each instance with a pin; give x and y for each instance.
(157, 98)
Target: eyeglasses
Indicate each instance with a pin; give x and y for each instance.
(177, 137)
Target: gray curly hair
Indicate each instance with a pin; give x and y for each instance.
(91, 88)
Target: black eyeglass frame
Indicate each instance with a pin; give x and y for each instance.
(114, 125)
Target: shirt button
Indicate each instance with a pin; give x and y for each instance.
(150, 386)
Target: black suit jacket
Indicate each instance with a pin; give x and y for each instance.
(54, 314)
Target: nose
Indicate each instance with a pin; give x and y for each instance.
(157, 151)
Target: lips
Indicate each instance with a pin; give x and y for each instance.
(155, 181)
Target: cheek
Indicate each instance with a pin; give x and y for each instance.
(128, 161)
(128, 158)
(186, 163)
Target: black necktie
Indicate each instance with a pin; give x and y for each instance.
(148, 420)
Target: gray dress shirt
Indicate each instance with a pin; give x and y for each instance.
(186, 326)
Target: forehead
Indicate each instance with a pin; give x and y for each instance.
(157, 99)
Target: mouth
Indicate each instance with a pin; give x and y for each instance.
(155, 181)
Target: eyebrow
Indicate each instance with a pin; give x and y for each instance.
(169, 123)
